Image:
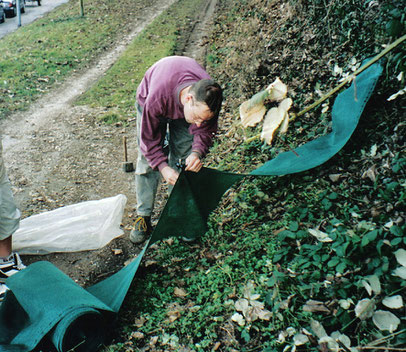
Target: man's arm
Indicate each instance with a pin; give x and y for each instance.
(150, 143)
(170, 175)
(151, 136)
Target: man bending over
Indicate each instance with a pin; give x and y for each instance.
(177, 110)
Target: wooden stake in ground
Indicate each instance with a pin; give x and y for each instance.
(127, 166)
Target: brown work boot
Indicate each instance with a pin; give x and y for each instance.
(141, 229)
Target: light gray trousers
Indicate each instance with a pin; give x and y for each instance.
(147, 179)
(9, 214)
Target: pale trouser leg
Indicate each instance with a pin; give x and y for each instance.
(180, 143)
(9, 214)
(146, 179)
(146, 188)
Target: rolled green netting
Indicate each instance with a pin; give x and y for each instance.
(82, 329)
(45, 304)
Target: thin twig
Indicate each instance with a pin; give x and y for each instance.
(351, 77)
(78, 345)
(253, 138)
(382, 339)
(346, 349)
(367, 306)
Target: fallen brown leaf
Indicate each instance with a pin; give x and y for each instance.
(180, 292)
(315, 306)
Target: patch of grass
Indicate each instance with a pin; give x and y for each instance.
(45, 52)
(109, 117)
(116, 90)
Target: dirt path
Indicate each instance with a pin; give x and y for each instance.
(57, 154)
(196, 47)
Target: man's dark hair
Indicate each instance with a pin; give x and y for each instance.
(208, 92)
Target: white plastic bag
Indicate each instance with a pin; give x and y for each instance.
(78, 227)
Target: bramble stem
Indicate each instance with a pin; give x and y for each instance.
(351, 77)
(342, 84)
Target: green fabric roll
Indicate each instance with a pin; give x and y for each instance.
(47, 297)
(82, 329)
(44, 302)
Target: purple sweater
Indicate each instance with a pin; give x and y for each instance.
(158, 95)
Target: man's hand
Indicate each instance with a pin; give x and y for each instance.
(193, 162)
(170, 175)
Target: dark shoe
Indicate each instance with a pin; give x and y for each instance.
(10, 266)
(141, 229)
